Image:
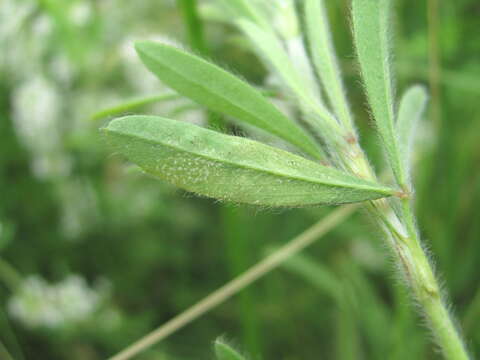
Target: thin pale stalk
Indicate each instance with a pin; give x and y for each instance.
(237, 284)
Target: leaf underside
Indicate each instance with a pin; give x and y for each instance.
(232, 168)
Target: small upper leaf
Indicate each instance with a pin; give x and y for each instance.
(246, 9)
(412, 106)
(223, 351)
(233, 168)
(211, 86)
(371, 28)
(272, 50)
(325, 60)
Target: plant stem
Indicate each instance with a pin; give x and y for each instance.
(417, 271)
(420, 277)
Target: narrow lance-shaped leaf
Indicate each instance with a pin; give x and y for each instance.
(211, 86)
(412, 106)
(273, 52)
(133, 104)
(223, 351)
(325, 60)
(232, 168)
(288, 27)
(371, 23)
(246, 9)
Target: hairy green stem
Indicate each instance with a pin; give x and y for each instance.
(416, 269)
(419, 275)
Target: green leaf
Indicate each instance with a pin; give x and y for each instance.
(371, 23)
(273, 52)
(223, 351)
(211, 86)
(133, 104)
(232, 168)
(412, 106)
(325, 60)
(246, 9)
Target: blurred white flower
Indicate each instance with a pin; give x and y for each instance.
(79, 208)
(10, 24)
(15, 44)
(42, 26)
(143, 81)
(62, 69)
(36, 110)
(36, 106)
(81, 13)
(40, 304)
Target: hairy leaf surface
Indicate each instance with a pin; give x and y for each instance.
(412, 106)
(211, 86)
(325, 60)
(371, 23)
(232, 168)
(273, 52)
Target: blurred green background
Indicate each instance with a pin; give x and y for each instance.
(93, 254)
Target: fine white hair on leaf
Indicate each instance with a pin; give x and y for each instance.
(232, 168)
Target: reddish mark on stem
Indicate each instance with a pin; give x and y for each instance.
(402, 194)
(351, 139)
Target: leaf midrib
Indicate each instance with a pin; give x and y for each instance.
(249, 167)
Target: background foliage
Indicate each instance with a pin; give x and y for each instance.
(94, 255)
